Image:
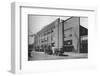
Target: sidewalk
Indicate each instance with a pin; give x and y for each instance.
(76, 55)
(67, 55)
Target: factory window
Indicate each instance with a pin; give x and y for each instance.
(70, 35)
(51, 30)
(68, 42)
(65, 36)
(44, 34)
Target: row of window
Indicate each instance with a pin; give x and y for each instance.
(44, 37)
(47, 39)
(47, 32)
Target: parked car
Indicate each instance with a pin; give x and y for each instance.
(59, 51)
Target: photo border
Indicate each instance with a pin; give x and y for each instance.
(16, 53)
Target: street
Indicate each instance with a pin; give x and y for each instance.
(67, 55)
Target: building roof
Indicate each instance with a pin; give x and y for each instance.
(51, 25)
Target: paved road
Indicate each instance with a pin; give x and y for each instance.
(67, 55)
(42, 56)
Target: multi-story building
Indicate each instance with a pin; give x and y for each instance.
(60, 34)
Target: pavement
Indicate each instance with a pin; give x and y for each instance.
(67, 55)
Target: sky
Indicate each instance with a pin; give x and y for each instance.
(84, 22)
(36, 23)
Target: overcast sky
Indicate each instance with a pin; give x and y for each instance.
(36, 23)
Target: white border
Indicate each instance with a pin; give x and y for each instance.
(20, 34)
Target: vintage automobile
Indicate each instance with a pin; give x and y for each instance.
(59, 51)
(30, 48)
